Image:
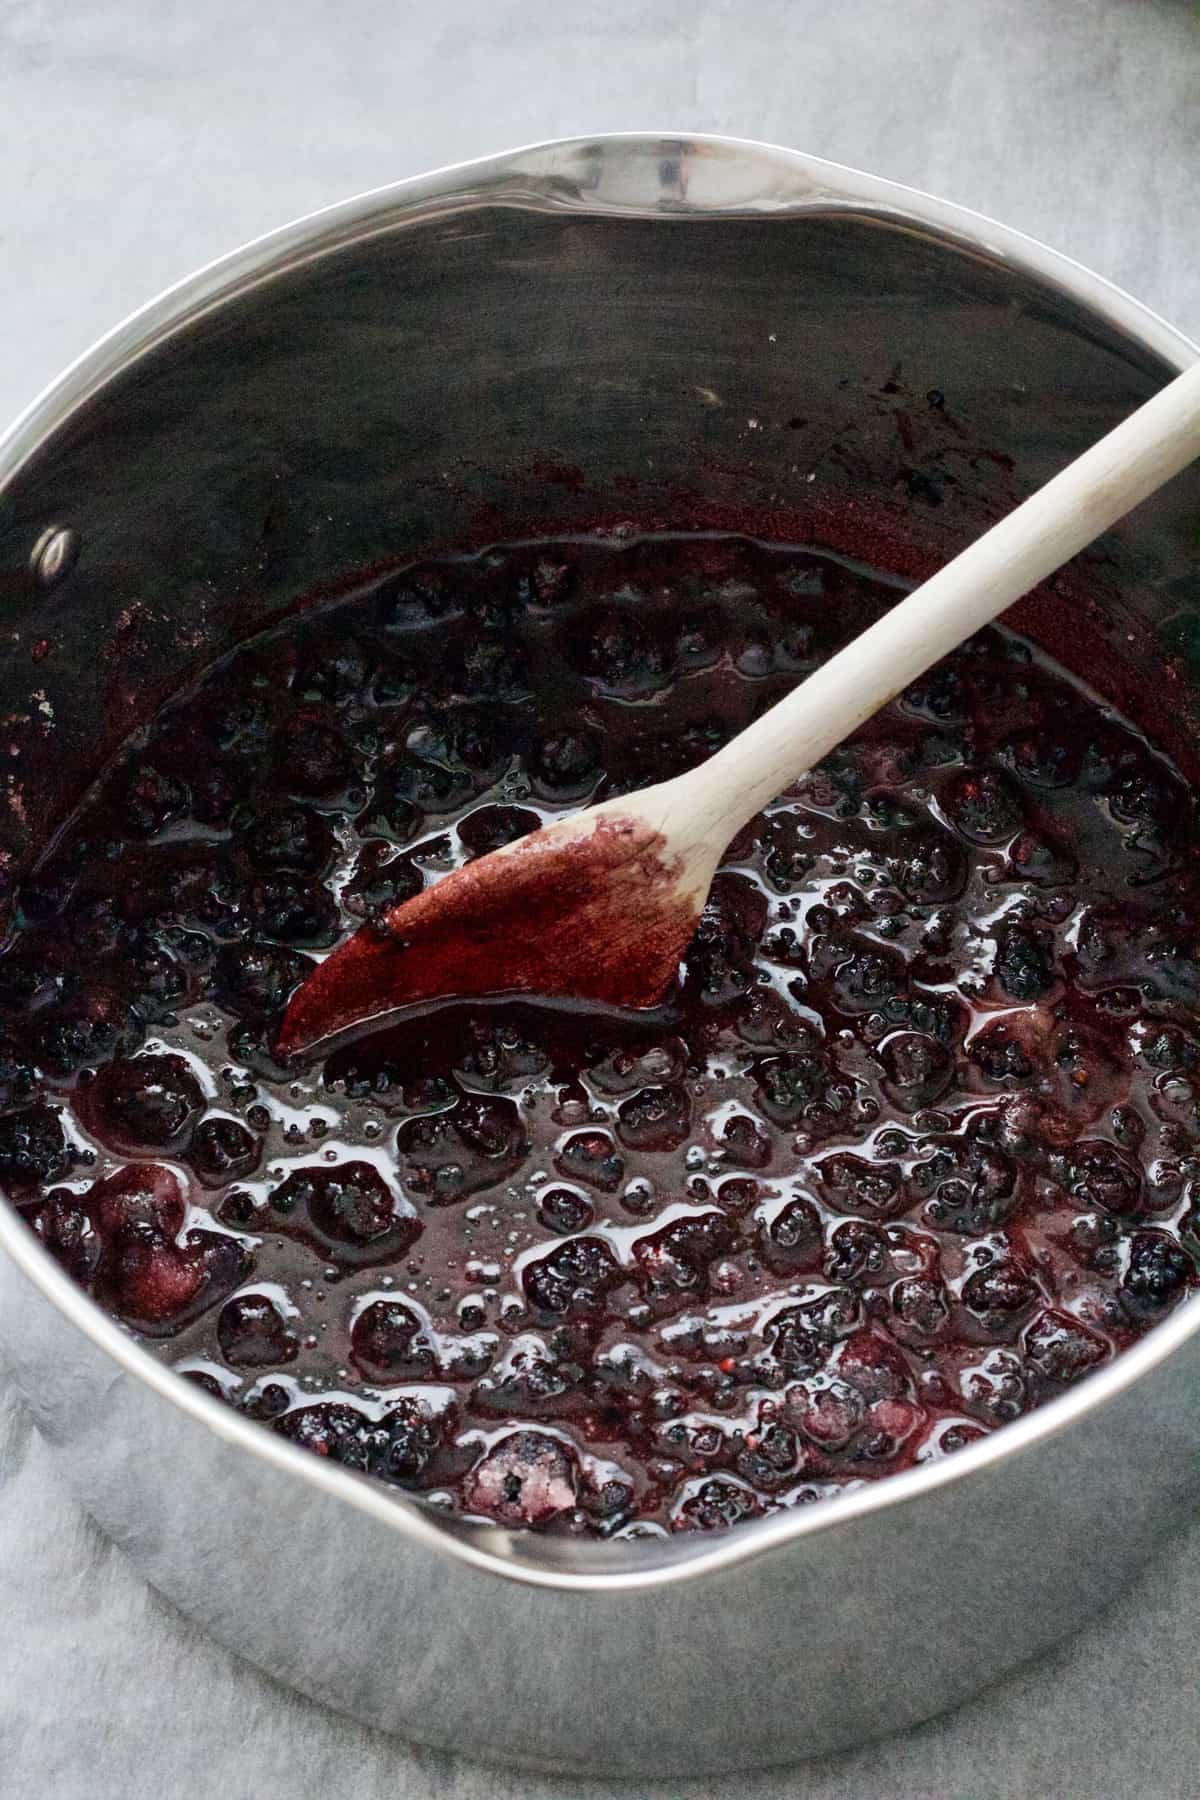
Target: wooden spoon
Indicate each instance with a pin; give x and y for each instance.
(600, 906)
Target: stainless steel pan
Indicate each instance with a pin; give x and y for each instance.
(656, 330)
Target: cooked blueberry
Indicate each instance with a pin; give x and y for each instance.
(1024, 962)
(158, 1286)
(417, 784)
(475, 1144)
(489, 666)
(141, 1199)
(340, 1433)
(676, 1261)
(791, 1239)
(828, 1413)
(530, 1379)
(146, 1103)
(920, 1308)
(223, 1150)
(380, 880)
(985, 806)
(565, 1211)
(389, 1344)
(489, 827)
(1102, 1175)
(351, 1204)
(745, 1143)
(1044, 759)
(716, 1505)
(411, 1438)
(292, 911)
(592, 1157)
(856, 1252)
(148, 799)
(655, 1118)
(525, 1479)
(312, 757)
(86, 1032)
(256, 978)
(335, 675)
(789, 1085)
(289, 839)
(253, 1333)
(214, 795)
(161, 983)
(998, 1292)
(566, 763)
(33, 1149)
(621, 655)
(918, 1069)
(854, 1185)
(933, 873)
(769, 1460)
(1061, 1349)
(1158, 1273)
(63, 1225)
(573, 1277)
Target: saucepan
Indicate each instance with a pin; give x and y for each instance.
(631, 330)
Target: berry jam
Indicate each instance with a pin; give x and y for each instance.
(912, 1146)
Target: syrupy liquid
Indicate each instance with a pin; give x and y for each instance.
(912, 1147)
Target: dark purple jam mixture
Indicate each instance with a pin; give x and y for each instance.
(914, 1146)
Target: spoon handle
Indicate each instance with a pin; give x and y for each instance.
(1030, 543)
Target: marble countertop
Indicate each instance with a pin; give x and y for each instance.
(139, 140)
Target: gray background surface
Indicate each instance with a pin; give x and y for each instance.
(137, 141)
